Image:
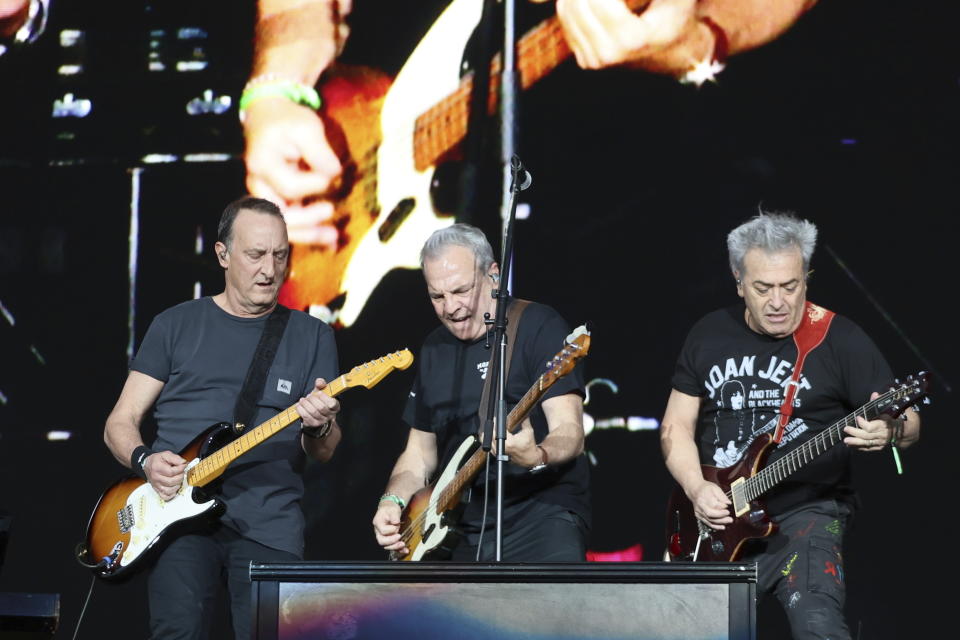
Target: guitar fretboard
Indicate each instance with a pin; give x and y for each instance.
(473, 464)
(444, 125)
(212, 466)
(776, 472)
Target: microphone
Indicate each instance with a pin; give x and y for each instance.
(518, 171)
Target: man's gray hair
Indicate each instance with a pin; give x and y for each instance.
(771, 232)
(460, 235)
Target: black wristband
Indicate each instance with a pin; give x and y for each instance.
(137, 458)
(319, 432)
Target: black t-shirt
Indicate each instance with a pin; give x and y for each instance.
(201, 353)
(446, 395)
(741, 377)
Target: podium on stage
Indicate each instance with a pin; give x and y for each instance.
(427, 601)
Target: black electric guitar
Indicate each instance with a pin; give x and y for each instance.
(427, 524)
(750, 478)
(131, 518)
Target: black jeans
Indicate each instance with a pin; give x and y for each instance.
(802, 565)
(544, 533)
(185, 581)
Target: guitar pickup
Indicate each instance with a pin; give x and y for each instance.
(740, 503)
(125, 518)
(395, 219)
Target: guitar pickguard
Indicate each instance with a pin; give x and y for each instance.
(431, 73)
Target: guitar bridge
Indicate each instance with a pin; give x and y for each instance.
(125, 518)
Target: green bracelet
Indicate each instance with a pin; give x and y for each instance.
(293, 91)
(395, 499)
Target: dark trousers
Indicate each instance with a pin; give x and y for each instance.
(802, 565)
(188, 576)
(543, 533)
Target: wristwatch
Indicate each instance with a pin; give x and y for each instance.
(544, 459)
(319, 432)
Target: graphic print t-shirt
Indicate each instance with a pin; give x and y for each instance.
(742, 375)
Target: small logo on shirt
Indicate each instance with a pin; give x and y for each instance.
(284, 385)
(482, 368)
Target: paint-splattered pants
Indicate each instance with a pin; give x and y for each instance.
(802, 564)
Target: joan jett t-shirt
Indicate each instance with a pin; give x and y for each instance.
(446, 395)
(741, 376)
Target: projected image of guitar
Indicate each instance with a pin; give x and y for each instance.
(751, 477)
(131, 518)
(427, 523)
(391, 136)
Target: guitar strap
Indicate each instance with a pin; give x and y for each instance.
(808, 336)
(243, 412)
(514, 311)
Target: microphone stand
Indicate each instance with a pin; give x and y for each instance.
(520, 179)
(508, 101)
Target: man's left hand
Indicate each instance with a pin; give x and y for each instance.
(318, 408)
(521, 447)
(872, 435)
(603, 33)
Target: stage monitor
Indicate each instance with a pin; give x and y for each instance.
(428, 601)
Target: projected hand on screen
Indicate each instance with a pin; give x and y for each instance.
(686, 38)
(289, 159)
(290, 162)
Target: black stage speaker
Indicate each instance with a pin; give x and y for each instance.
(425, 601)
(29, 615)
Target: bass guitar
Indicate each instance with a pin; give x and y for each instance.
(427, 525)
(131, 519)
(395, 138)
(751, 477)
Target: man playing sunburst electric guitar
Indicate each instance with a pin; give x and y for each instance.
(191, 368)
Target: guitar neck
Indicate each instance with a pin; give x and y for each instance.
(776, 472)
(476, 461)
(444, 125)
(213, 465)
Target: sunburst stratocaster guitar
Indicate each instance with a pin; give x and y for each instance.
(750, 478)
(390, 136)
(131, 519)
(427, 524)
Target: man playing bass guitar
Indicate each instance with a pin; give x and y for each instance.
(736, 385)
(546, 495)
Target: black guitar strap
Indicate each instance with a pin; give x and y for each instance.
(514, 311)
(245, 408)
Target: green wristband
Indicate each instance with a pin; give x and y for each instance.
(395, 499)
(293, 91)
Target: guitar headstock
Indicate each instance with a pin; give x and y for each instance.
(370, 373)
(576, 346)
(904, 394)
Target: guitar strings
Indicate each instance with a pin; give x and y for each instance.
(569, 349)
(763, 481)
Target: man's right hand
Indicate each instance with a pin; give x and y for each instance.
(164, 471)
(711, 505)
(290, 162)
(386, 526)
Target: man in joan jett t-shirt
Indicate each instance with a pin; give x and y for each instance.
(729, 386)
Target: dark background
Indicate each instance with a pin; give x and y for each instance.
(850, 119)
